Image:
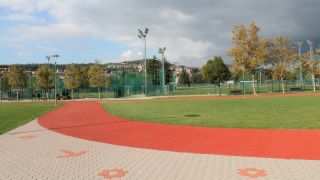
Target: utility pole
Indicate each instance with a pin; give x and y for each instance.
(143, 35)
(161, 51)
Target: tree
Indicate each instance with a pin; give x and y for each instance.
(168, 71)
(294, 74)
(4, 86)
(17, 78)
(96, 77)
(45, 78)
(249, 52)
(4, 82)
(184, 78)
(236, 72)
(154, 67)
(73, 77)
(196, 78)
(216, 72)
(84, 76)
(311, 64)
(283, 58)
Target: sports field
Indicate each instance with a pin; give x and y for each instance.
(265, 113)
(13, 115)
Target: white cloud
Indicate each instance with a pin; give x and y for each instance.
(192, 31)
(24, 54)
(46, 49)
(20, 17)
(130, 55)
(176, 16)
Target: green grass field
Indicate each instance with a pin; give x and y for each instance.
(13, 115)
(264, 113)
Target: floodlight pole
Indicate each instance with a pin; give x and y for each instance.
(106, 73)
(48, 58)
(243, 68)
(55, 78)
(143, 35)
(300, 46)
(145, 66)
(161, 51)
(310, 43)
(311, 58)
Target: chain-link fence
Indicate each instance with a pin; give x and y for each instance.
(246, 88)
(131, 84)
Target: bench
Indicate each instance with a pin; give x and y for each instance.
(295, 89)
(235, 91)
(89, 97)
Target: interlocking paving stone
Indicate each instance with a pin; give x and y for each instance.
(36, 158)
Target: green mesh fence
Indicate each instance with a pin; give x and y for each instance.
(126, 83)
(245, 88)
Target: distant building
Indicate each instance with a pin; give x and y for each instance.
(178, 70)
(4, 70)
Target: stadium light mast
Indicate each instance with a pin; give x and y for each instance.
(243, 69)
(311, 58)
(310, 43)
(300, 43)
(48, 58)
(142, 35)
(161, 51)
(55, 77)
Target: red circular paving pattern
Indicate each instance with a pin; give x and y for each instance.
(88, 120)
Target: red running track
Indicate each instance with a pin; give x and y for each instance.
(88, 120)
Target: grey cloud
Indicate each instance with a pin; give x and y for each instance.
(188, 25)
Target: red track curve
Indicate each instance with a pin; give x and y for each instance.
(88, 120)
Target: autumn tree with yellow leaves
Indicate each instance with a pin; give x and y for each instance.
(96, 77)
(282, 58)
(17, 78)
(249, 51)
(45, 78)
(73, 77)
(311, 64)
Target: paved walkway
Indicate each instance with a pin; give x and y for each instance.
(34, 152)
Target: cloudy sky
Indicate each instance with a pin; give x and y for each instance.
(192, 31)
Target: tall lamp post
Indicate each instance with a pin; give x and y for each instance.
(310, 43)
(161, 51)
(243, 84)
(55, 77)
(143, 35)
(48, 58)
(299, 49)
